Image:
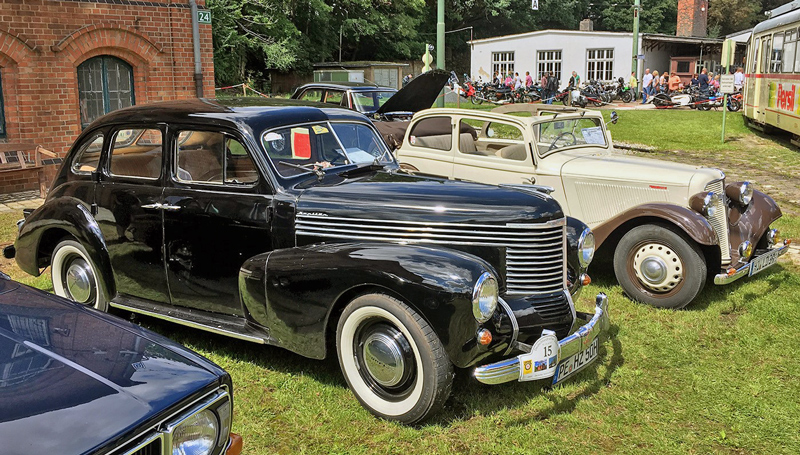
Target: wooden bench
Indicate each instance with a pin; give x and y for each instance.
(26, 161)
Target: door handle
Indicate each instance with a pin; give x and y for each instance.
(531, 180)
(171, 208)
(156, 206)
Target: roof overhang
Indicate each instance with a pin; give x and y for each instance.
(680, 39)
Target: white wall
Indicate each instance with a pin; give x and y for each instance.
(572, 44)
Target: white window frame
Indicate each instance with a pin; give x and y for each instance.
(503, 62)
(600, 64)
(549, 61)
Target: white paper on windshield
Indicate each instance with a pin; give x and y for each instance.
(273, 137)
(593, 135)
(357, 155)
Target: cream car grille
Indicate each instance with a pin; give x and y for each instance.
(535, 252)
(720, 220)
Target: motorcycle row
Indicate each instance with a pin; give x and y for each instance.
(594, 92)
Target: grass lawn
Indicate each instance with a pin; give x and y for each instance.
(718, 377)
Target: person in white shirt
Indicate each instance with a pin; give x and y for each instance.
(738, 78)
(518, 82)
(647, 80)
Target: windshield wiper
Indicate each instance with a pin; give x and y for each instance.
(364, 166)
(316, 169)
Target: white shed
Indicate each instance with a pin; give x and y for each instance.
(593, 54)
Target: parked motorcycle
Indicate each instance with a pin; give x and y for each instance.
(735, 101)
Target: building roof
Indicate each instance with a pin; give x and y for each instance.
(550, 31)
(358, 64)
(680, 39)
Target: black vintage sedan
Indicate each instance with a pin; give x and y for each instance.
(75, 381)
(293, 226)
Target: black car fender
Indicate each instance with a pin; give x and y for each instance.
(298, 293)
(56, 219)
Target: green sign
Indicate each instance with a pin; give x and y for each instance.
(204, 17)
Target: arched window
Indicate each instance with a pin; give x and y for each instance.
(105, 84)
(2, 111)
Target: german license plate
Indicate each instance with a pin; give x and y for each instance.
(574, 363)
(765, 260)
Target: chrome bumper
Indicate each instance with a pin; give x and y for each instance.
(512, 369)
(727, 278)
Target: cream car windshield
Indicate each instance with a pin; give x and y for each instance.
(561, 133)
(301, 149)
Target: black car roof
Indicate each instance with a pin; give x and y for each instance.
(257, 113)
(346, 86)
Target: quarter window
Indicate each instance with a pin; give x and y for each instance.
(88, 157)
(434, 132)
(136, 153)
(334, 97)
(105, 84)
(213, 157)
(549, 61)
(503, 62)
(600, 64)
(313, 94)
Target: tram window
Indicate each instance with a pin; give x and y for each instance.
(777, 53)
(754, 63)
(765, 56)
(789, 47)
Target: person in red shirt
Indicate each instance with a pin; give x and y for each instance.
(674, 82)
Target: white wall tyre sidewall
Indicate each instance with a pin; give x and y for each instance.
(62, 252)
(353, 376)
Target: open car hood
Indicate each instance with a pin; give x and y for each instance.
(419, 94)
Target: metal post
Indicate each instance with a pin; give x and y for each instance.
(635, 63)
(440, 47)
(724, 111)
(198, 70)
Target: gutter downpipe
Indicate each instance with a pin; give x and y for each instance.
(198, 70)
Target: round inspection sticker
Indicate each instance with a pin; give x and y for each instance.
(412, 139)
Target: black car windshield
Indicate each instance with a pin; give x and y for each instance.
(370, 101)
(323, 145)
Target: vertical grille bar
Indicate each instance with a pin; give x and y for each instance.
(720, 220)
(537, 269)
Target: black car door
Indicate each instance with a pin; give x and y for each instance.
(216, 215)
(127, 197)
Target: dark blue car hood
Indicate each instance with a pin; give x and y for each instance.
(72, 379)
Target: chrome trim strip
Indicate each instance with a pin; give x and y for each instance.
(194, 325)
(532, 226)
(743, 271)
(514, 325)
(147, 442)
(572, 308)
(377, 237)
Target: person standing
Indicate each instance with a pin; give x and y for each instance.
(634, 84)
(695, 80)
(543, 84)
(496, 80)
(674, 82)
(517, 82)
(552, 87)
(407, 79)
(703, 81)
(738, 78)
(528, 79)
(647, 82)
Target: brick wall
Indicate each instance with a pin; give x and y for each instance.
(692, 18)
(42, 42)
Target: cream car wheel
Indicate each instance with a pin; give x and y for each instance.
(658, 267)
(75, 276)
(392, 360)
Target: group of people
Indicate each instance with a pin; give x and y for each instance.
(512, 80)
(548, 83)
(705, 81)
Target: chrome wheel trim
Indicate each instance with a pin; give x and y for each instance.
(658, 267)
(383, 358)
(350, 364)
(62, 262)
(79, 280)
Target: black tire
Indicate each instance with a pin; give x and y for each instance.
(678, 268)
(473, 99)
(565, 100)
(627, 96)
(75, 276)
(597, 102)
(414, 376)
(734, 105)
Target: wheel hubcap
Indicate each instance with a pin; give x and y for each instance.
(383, 357)
(658, 267)
(79, 281)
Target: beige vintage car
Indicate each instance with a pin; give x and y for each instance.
(667, 226)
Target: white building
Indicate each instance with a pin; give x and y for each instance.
(593, 54)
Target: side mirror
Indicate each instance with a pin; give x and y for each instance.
(614, 117)
(489, 132)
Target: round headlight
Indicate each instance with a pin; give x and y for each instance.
(484, 297)
(197, 435)
(586, 248)
(710, 204)
(745, 193)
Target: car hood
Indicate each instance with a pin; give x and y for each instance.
(398, 196)
(625, 168)
(419, 94)
(72, 379)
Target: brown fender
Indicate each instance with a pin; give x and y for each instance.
(691, 222)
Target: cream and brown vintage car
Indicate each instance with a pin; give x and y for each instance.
(667, 226)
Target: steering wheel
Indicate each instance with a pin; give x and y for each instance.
(573, 139)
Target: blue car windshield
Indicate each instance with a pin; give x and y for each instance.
(323, 145)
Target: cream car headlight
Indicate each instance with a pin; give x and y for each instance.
(586, 248)
(197, 435)
(484, 297)
(705, 203)
(741, 192)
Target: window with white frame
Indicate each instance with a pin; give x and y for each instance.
(599, 64)
(503, 62)
(550, 62)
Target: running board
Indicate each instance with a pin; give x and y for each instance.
(221, 324)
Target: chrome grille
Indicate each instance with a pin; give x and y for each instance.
(720, 219)
(535, 252)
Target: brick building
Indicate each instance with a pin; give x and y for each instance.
(63, 63)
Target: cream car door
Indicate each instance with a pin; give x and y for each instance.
(428, 147)
(492, 152)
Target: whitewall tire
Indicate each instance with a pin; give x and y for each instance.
(75, 276)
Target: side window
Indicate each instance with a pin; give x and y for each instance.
(88, 157)
(212, 157)
(777, 53)
(313, 94)
(789, 45)
(334, 97)
(136, 153)
(754, 63)
(433, 132)
(496, 139)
